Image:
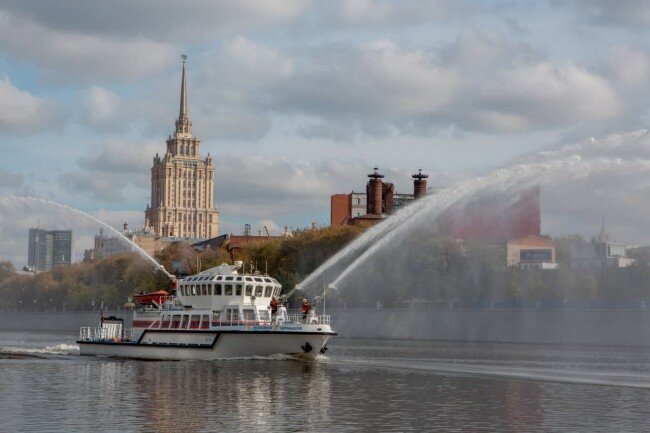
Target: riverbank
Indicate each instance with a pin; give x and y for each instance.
(598, 327)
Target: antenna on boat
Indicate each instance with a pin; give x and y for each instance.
(266, 267)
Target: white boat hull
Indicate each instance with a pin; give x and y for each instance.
(209, 344)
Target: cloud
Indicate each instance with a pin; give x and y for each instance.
(629, 13)
(112, 167)
(382, 88)
(73, 55)
(629, 66)
(22, 112)
(10, 181)
(391, 13)
(100, 107)
(165, 20)
(541, 95)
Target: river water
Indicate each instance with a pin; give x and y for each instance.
(361, 386)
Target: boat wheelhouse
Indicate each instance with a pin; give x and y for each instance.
(218, 313)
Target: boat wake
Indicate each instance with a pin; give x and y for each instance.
(59, 349)
(584, 377)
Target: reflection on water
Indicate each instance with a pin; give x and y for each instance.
(244, 394)
(363, 386)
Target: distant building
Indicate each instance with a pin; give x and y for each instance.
(49, 248)
(109, 245)
(600, 252)
(379, 200)
(182, 184)
(235, 243)
(531, 252)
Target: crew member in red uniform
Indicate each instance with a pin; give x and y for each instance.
(274, 307)
(306, 307)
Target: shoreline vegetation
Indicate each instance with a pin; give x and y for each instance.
(434, 271)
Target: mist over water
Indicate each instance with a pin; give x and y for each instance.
(579, 182)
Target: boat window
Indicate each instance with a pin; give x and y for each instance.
(277, 291)
(232, 314)
(249, 314)
(219, 278)
(267, 291)
(217, 290)
(264, 315)
(259, 280)
(228, 289)
(268, 280)
(205, 321)
(249, 279)
(184, 321)
(249, 290)
(216, 316)
(229, 278)
(193, 290)
(195, 320)
(166, 321)
(258, 291)
(239, 289)
(238, 278)
(204, 289)
(209, 288)
(176, 321)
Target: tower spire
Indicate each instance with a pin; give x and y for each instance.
(183, 109)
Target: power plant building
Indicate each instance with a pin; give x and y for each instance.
(48, 249)
(372, 206)
(182, 184)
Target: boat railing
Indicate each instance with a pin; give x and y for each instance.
(298, 318)
(166, 303)
(88, 333)
(295, 319)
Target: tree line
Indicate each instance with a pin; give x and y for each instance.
(425, 268)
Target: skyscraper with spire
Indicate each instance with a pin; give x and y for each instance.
(182, 183)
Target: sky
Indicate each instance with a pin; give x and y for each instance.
(297, 99)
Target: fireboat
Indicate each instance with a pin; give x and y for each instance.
(219, 313)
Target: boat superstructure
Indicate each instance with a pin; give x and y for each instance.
(218, 313)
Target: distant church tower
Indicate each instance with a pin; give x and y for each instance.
(182, 184)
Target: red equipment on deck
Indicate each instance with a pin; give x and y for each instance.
(149, 298)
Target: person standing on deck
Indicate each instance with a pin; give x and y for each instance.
(274, 307)
(306, 308)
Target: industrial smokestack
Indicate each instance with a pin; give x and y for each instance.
(373, 190)
(419, 184)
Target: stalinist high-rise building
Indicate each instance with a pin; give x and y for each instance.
(182, 184)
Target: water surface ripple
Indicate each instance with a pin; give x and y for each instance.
(363, 385)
